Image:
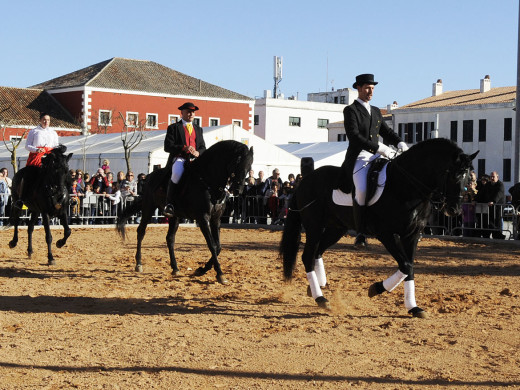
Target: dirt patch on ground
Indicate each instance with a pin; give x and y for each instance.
(91, 321)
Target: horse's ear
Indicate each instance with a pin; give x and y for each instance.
(251, 150)
(69, 156)
(474, 155)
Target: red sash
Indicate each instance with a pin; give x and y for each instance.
(35, 158)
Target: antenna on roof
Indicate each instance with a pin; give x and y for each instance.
(277, 75)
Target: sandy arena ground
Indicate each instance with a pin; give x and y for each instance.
(92, 322)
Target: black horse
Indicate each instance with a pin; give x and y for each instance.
(201, 197)
(433, 170)
(45, 192)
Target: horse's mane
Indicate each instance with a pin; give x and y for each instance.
(439, 145)
(221, 150)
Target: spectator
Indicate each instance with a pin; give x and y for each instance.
(274, 178)
(4, 196)
(292, 179)
(81, 180)
(75, 194)
(5, 173)
(140, 183)
(492, 193)
(251, 201)
(109, 182)
(89, 205)
(468, 216)
(120, 177)
(271, 201)
(105, 166)
(260, 193)
(284, 200)
(128, 190)
(115, 198)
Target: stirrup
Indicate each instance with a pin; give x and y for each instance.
(168, 210)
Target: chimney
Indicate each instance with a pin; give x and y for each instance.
(267, 93)
(485, 84)
(437, 88)
(392, 106)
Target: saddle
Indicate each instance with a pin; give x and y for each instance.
(376, 179)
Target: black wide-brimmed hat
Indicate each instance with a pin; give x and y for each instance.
(362, 79)
(188, 106)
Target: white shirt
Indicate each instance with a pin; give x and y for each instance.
(40, 137)
(364, 104)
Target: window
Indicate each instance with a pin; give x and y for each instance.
(294, 121)
(400, 129)
(151, 121)
(342, 100)
(481, 130)
(506, 170)
(322, 123)
(237, 122)
(467, 131)
(132, 118)
(214, 121)
(197, 120)
(481, 167)
(173, 119)
(453, 131)
(105, 118)
(336, 99)
(428, 128)
(342, 137)
(508, 129)
(257, 120)
(418, 132)
(408, 130)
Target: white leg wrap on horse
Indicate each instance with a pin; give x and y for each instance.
(319, 268)
(393, 281)
(409, 294)
(313, 283)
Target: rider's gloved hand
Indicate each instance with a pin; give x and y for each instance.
(402, 145)
(385, 151)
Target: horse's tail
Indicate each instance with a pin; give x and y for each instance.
(290, 239)
(126, 214)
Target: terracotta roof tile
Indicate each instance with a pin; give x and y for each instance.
(141, 76)
(22, 107)
(466, 97)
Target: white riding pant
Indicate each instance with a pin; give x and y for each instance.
(177, 169)
(360, 175)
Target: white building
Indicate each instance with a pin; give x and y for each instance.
(340, 96)
(283, 121)
(477, 119)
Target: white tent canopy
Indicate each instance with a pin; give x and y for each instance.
(90, 151)
(323, 153)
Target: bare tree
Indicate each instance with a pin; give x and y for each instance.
(131, 135)
(11, 144)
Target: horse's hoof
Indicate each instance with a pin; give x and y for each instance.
(175, 272)
(12, 244)
(323, 302)
(376, 289)
(199, 271)
(221, 279)
(418, 312)
(60, 243)
(52, 262)
(139, 268)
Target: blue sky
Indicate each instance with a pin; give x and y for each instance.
(407, 44)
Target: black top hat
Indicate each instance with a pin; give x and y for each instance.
(188, 106)
(363, 79)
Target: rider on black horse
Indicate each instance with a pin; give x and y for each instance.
(363, 125)
(184, 141)
(40, 141)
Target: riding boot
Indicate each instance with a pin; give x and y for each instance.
(170, 196)
(360, 221)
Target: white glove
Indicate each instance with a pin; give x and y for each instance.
(402, 145)
(385, 151)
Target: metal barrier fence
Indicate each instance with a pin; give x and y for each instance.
(476, 220)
